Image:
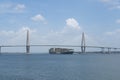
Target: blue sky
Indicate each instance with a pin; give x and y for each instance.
(60, 21)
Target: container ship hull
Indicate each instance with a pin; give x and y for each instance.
(60, 51)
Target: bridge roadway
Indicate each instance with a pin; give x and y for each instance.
(59, 46)
(100, 47)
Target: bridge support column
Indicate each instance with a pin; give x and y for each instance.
(83, 47)
(27, 43)
(27, 49)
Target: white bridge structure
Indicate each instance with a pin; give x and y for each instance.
(83, 47)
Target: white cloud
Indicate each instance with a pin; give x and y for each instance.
(70, 34)
(6, 33)
(12, 8)
(113, 4)
(71, 22)
(118, 21)
(20, 7)
(38, 17)
(115, 32)
(15, 37)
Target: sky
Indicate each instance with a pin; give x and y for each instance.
(60, 22)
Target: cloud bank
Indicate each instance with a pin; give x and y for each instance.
(113, 4)
(12, 8)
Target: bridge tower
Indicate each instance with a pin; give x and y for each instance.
(28, 43)
(83, 47)
(0, 49)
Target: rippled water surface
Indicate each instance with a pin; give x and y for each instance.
(59, 67)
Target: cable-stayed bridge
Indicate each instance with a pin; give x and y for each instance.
(103, 49)
(83, 47)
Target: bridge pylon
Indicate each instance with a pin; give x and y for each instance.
(83, 45)
(28, 43)
(0, 49)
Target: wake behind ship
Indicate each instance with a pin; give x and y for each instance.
(61, 51)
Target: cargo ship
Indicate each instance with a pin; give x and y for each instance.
(61, 51)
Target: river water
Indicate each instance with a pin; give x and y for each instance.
(60, 67)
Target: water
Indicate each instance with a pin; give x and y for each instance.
(59, 67)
